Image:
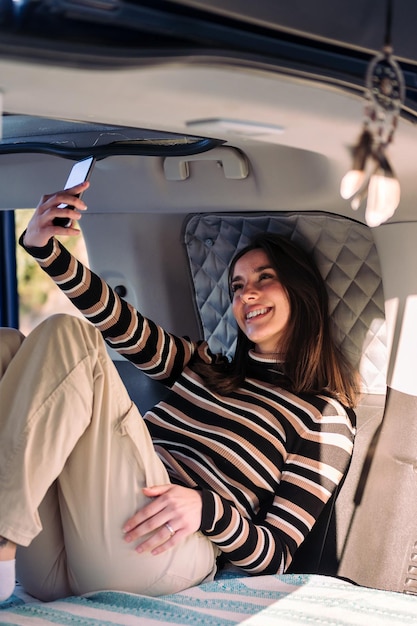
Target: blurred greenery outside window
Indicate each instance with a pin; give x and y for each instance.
(39, 297)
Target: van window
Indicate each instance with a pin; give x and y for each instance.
(39, 297)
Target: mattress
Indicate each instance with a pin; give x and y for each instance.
(286, 600)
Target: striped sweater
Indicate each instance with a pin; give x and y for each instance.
(265, 460)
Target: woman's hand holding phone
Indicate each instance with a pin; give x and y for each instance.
(57, 212)
(42, 227)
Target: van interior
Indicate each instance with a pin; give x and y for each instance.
(209, 122)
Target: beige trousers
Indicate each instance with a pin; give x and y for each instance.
(74, 457)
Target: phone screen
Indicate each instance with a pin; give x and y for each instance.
(79, 173)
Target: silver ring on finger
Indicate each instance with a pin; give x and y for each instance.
(170, 529)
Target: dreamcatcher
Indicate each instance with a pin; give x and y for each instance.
(372, 176)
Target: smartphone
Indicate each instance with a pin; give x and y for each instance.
(79, 173)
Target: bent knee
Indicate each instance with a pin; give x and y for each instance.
(11, 337)
(67, 324)
(64, 320)
(10, 341)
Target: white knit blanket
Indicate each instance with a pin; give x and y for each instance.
(287, 600)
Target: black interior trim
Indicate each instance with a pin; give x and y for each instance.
(112, 149)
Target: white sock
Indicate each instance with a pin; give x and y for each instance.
(7, 579)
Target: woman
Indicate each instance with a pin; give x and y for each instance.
(238, 460)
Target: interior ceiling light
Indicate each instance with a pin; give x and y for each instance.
(245, 128)
(372, 177)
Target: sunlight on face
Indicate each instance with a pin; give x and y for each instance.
(260, 303)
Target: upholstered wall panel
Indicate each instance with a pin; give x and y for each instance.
(345, 253)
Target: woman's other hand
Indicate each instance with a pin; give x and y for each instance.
(174, 513)
(41, 227)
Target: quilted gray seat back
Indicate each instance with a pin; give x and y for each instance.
(345, 253)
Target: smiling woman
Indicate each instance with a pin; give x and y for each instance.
(260, 303)
(249, 414)
(234, 486)
(280, 303)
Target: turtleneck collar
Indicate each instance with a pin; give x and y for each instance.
(267, 367)
(269, 357)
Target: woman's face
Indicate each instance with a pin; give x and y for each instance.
(260, 303)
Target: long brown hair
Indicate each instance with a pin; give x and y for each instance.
(313, 363)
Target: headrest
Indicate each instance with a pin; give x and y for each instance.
(345, 254)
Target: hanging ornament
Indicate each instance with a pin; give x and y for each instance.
(372, 176)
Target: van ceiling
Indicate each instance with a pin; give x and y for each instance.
(332, 46)
(336, 40)
(130, 77)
